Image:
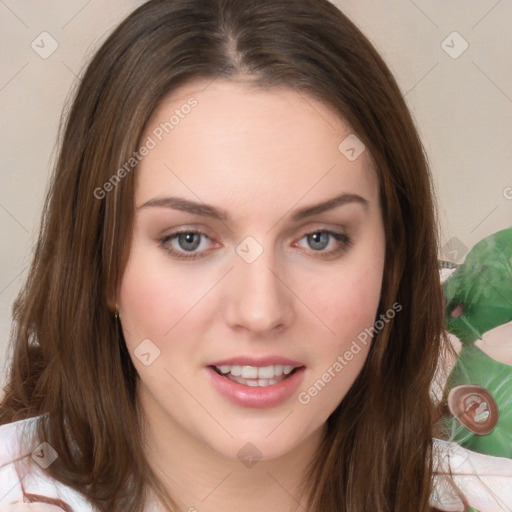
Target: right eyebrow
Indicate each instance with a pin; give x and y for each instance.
(185, 205)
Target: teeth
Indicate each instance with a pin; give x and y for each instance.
(249, 372)
(255, 382)
(235, 370)
(256, 372)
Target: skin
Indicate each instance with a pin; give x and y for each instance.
(260, 155)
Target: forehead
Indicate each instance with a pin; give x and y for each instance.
(232, 140)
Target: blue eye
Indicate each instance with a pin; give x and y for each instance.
(319, 240)
(187, 242)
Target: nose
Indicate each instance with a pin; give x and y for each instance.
(259, 299)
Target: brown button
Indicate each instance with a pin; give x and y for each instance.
(474, 407)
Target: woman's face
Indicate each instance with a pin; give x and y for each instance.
(269, 275)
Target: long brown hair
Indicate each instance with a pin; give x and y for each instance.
(69, 356)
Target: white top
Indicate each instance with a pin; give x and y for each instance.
(485, 481)
(13, 447)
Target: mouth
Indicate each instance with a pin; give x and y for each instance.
(256, 376)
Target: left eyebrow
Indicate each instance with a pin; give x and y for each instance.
(330, 204)
(207, 210)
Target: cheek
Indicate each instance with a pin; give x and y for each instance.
(348, 304)
(160, 301)
(348, 307)
(150, 300)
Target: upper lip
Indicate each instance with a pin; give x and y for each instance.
(256, 361)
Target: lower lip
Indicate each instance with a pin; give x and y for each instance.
(255, 396)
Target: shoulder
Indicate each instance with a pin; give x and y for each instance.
(18, 442)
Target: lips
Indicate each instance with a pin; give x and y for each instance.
(256, 393)
(260, 382)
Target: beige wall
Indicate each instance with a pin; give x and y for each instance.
(462, 106)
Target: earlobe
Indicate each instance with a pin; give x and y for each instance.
(112, 305)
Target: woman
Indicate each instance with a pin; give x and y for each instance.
(235, 290)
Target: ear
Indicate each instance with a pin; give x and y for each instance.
(112, 301)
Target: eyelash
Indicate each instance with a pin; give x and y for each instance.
(344, 240)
